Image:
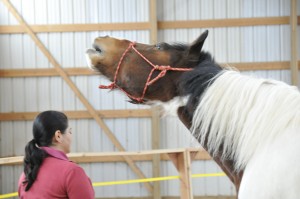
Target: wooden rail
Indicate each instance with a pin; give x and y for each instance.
(78, 71)
(105, 114)
(105, 157)
(220, 23)
(210, 23)
(181, 159)
(17, 29)
(45, 72)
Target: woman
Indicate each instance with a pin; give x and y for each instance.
(48, 173)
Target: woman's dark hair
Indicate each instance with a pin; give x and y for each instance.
(44, 127)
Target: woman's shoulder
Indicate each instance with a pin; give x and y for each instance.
(74, 171)
(62, 164)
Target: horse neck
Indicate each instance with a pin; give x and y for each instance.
(193, 84)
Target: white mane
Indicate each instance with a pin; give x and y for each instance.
(243, 114)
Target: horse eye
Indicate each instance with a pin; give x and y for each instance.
(158, 47)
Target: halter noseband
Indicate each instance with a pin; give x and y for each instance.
(149, 81)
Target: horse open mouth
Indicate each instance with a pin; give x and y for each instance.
(89, 55)
(95, 49)
(90, 51)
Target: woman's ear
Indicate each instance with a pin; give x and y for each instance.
(58, 136)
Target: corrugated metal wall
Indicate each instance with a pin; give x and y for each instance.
(236, 44)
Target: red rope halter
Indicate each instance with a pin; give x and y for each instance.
(149, 81)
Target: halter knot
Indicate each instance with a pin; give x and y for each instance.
(111, 86)
(157, 67)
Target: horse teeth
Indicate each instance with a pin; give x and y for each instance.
(90, 51)
(88, 59)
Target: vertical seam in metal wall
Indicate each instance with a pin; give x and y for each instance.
(226, 32)
(280, 38)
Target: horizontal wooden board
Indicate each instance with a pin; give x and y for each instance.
(49, 72)
(105, 114)
(13, 29)
(45, 72)
(210, 23)
(246, 66)
(196, 154)
(218, 23)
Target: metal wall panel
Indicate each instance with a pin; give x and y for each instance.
(234, 44)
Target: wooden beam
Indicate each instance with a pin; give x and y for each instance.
(211, 23)
(77, 92)
(105, 114)
(105, 157)
(50, 72)
(294, 43)
(153, 22)
(17, 29)
(45, 72)
(217, 23)
(155, 145)
(246, 66)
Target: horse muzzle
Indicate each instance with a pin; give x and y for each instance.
(90, 54)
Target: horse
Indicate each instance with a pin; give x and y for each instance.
(250, 126)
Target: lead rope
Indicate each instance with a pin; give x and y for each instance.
(162, 68)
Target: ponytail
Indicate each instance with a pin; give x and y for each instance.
(32, 161)
(44, 127)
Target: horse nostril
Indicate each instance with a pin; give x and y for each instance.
(97, 48)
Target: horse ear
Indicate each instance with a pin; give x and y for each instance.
(198, 44)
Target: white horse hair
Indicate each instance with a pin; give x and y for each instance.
(257, 124)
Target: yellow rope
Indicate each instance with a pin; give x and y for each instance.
(9, 195)
(97, 184)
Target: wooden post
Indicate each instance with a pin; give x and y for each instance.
(182, 162)
(294, 59)
(156, 157)
(184, 167)
(153, 22)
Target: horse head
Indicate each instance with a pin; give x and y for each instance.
(145, 72)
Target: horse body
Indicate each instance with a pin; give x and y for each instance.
(274, 171)
(249, 126)
(257, 124)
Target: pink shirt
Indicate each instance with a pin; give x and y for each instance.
(58, 178)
